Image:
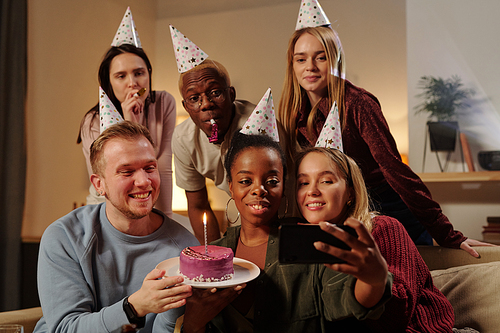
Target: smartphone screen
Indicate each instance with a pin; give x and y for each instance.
(297, 244)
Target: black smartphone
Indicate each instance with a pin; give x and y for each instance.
(296, 243)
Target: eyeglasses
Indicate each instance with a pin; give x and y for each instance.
(214, 96)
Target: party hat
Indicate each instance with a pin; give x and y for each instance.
(127, 33)
(262, 119)
(107, 111)
(187, 54)
(331, 136)
(311, 15)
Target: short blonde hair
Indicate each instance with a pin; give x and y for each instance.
(209, 63)
(123, 130)
(351, 173)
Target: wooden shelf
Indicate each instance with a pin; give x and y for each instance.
(447, 177)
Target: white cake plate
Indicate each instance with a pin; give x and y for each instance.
(244, 271)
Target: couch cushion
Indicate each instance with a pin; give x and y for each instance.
(26, 317)
(437, 257)
(474, 293)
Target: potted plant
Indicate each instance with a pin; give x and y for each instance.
(443, 99)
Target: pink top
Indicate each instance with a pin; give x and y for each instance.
(161, 118)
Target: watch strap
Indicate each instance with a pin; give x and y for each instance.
(132, 316)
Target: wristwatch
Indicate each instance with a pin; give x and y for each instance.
(132, 314)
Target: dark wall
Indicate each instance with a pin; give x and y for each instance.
(29, 290)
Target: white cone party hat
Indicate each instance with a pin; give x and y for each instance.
(108, 114)
(311, 15)
(331, 134)
(127, 33)
(262, 120)
(187, 54)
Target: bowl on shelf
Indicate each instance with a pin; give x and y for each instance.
(489, 160)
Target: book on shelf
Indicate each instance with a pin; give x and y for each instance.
(493, 220)
(491, 231)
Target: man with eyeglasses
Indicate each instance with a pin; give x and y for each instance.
(200, 143)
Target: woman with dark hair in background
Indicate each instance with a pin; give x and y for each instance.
(124, 71)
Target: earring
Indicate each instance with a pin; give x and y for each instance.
(349, 203)
(227, 217)
(286, 208)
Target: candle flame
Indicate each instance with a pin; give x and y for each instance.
(204, 219)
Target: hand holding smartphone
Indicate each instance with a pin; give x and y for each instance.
(297, 242)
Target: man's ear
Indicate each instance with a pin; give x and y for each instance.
(98, 184)
(232, 93)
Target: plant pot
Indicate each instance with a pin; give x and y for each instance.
(443, 135)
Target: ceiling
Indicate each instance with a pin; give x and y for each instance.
(171, 8)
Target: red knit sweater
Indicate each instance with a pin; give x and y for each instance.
(416, 305)
(367, 139)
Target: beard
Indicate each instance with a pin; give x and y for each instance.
(129, 213)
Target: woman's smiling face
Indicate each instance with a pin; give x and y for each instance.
(322, 193)
(257, 184)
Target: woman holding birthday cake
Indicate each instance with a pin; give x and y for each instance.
(284, 298)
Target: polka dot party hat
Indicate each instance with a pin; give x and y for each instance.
(187, 54)
(331, 134)
(311, 15)
(127, 33)
(262, 120)
(108, 114)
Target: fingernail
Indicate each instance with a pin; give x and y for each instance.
(329, 225)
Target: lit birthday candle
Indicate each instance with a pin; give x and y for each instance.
(205, 231)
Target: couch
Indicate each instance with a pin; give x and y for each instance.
(471, 284)
(26, 317)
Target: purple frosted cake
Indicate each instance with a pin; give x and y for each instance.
(216, 265)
